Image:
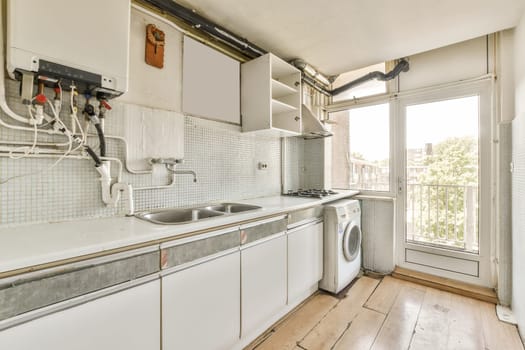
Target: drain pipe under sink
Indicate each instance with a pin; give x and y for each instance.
(111, 193)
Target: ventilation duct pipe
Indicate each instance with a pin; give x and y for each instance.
(314, 78)
(202, 24)
(402, 66)
(311, 71)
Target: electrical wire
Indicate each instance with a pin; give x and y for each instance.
(48, 123)
(74, 115)
(6, 180)
(66, 153)
(80, 128)
(25, 149)
(32, 117)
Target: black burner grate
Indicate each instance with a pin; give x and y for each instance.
(312, 193)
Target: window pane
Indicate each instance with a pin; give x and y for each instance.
(361, 148)
(370, 88)
(442, 173)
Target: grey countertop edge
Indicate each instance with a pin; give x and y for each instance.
(30, 247)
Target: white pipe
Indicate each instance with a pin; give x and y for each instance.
(3, 102)
(50, 144)
(28, 143)
(126, 153)
(37, 150)
(158, 187)
(75, 157)
(111, 193)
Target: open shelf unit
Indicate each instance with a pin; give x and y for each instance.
(271, 96)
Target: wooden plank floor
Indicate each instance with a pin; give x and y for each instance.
(392, 314)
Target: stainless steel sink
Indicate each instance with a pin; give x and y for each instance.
(175, 216)
(230, 208)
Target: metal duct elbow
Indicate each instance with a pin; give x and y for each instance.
(312, 127)
(402, 66)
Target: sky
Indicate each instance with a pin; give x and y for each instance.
(426, 123)
(434, 122)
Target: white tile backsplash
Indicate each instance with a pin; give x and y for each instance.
(224, 159)
(304, 163)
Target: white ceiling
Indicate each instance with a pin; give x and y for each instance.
(336, 36)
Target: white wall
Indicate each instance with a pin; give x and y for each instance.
(150, 86)
(503, 157)
(518, 181)
(377, 226)
(452, 63)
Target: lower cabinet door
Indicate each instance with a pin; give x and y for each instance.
(305, 260)
(200, 306)
(129, 319)
(263, 284)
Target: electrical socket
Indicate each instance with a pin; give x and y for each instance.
(262, 166)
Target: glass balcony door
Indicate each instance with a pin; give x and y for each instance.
(444, 184)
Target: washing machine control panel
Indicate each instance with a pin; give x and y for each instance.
(346, 213)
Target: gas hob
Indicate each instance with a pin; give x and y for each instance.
(310, 193)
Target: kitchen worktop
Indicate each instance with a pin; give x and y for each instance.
(31, 245)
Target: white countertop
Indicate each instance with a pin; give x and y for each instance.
(31, 245)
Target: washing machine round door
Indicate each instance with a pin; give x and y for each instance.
(351, 241)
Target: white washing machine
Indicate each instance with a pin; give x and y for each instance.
(342, 244)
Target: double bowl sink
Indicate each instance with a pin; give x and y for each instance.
(175, 216)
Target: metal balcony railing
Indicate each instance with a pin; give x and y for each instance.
(443, 215)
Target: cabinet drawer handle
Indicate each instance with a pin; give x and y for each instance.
(244, 236)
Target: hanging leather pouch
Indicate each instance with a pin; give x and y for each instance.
(155, 41)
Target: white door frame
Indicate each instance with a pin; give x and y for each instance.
(480, 263)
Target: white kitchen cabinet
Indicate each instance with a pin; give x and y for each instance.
(201, 305)
(128, 319)
(263, 276)
(305, 260)
(271, 96)
(210, 83)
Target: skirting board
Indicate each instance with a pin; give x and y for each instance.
(446, 284)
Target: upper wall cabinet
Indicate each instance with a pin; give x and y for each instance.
(210, 83)
(150, 86)
(271, 96)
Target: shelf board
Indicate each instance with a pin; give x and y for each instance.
(284, 132)
(280, 89)
(281, 68)
(281, 107)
